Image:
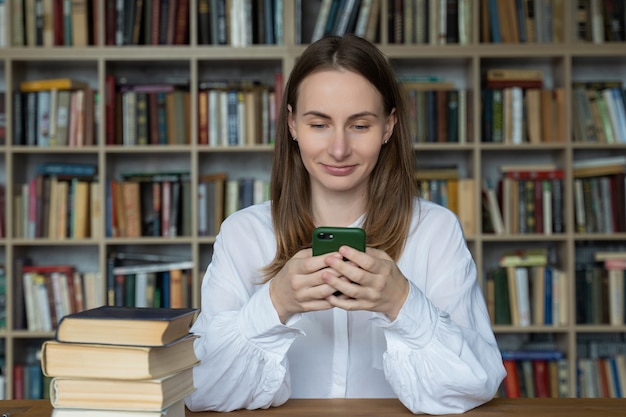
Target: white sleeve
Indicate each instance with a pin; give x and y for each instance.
(442, 356)
(242, 344)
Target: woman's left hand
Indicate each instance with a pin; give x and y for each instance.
(374, 281)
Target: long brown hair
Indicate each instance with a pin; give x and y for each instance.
(391, 187)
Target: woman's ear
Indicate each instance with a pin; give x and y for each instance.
(390, 123)
(291, 122)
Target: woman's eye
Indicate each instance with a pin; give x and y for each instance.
(317, 126)
(361, 127)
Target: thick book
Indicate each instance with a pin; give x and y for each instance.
(126, 325)
(137, 395)
(85, 360)
(175, 410)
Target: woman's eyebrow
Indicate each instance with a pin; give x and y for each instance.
(353, 116)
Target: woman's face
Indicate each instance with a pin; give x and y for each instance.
(340, 126)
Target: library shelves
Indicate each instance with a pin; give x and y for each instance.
(194, 66)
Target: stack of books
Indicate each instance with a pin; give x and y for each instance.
(121, 362)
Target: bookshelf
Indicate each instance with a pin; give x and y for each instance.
(564, 61)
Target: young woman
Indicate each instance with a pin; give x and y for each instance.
(410, 322)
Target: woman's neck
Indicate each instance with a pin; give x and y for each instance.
(340, 209)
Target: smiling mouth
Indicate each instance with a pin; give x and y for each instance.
(339, 170)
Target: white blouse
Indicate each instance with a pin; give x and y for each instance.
(439, 355)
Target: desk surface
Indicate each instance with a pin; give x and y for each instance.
(541, 407)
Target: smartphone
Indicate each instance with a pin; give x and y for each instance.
(328, 239)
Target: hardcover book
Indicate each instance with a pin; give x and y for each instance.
(85, 360)
(126, 325)
(175, 410)
(112, 394)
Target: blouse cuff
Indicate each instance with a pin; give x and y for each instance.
(260, 324)
(415, 325)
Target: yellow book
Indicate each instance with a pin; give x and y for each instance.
(112, 394)
(119, 362)
(52, 83)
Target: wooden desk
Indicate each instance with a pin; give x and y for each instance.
(543, 407)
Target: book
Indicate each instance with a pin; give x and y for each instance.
(175, 410)
(112, 394)
(527, 257)
(53, 83)
(126, 325)
(107, 361)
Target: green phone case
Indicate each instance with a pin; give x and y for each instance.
(328, 239)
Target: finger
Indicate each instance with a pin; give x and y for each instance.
(348, 269)
(341, 284)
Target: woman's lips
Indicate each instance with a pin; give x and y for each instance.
(339, 170)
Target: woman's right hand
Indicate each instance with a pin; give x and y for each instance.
(299, 287)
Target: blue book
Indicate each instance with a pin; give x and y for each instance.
(232, 111)
(494, 22)
(547, 310)
(524, 355)
(615, 373)
(521, 22)
(67, 169)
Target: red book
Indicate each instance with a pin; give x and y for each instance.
(279, 87)
(57, 23)
(18, 382)
(535, 175)
(155, 24)
(203, 117)
(109, 23)
(511, 382)
(172, 10)
(538, 197)
(181, 29)
(542, 381)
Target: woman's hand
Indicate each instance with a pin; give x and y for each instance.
(374, 281)
(299, 286)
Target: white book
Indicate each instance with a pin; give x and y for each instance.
(141, 286)
(232, 197)
(523, 295)
(213, 115)
(465, 22)
(363, 18)
(547, 207)
(597, 20)
(43, 118)
(155, 267)
(579, 202)
(259, 194)
(32, 319)
(614, 116)
(42, 304)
